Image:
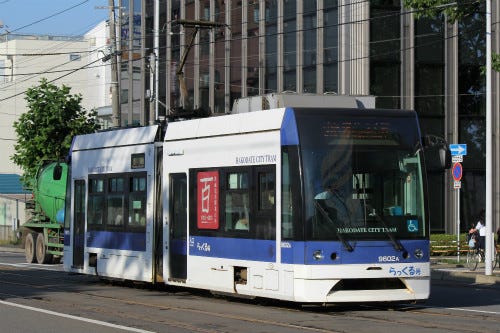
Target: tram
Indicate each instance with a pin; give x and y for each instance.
(305, 204)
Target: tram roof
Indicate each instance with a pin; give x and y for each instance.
(258, 121)
(114, 138)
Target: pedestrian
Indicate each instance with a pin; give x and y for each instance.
(472, 236)
(480, 228)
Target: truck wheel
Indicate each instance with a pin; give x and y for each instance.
(29, 248)
(42, 257)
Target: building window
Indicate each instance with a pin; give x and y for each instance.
(310, 44)
(271, 78)
(330, 45)
(385, 53)
(429, 66)
(290, 45)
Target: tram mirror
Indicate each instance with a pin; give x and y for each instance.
(437, 153)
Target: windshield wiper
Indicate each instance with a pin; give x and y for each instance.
(397, 245)
(323, 212)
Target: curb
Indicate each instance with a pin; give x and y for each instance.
(11, 249)
(468, 277)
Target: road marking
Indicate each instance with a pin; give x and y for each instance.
(470, 310)
(455, 309)
(87, 320)
(57, 268)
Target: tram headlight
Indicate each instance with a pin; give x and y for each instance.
(318, 255)
(418, 253)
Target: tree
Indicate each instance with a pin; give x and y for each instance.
(454, 11)
(46, 130)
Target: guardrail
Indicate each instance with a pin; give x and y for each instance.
(444, 248)
(448, 248)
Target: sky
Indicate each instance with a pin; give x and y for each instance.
(51, 17)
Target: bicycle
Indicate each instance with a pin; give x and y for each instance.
(475, 256)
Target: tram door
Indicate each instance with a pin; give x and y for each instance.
(178, 226)
(79, 224)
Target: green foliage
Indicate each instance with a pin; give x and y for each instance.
(454, 11)
(446, 244)
(46, 130)
(495, 62)
(445, 238)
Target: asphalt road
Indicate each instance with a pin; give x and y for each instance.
(36, 298)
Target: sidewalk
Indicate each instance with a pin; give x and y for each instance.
(442, 268)
(447, 269)
(11, 248)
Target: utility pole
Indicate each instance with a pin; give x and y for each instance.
(195, 25)
(489, 158)
(154, 67)
(115, 103)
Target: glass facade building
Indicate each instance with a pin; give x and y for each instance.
(340, 47)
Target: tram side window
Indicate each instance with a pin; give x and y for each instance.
(137, 202)
(96, 203)
(266, 191)
(286, 201)
(237, 201)
(265, 216)
(115, 202)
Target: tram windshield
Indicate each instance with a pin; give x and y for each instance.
(362, 174)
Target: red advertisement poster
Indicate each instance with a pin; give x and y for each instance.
(208, 200)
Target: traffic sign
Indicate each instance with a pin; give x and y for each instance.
(457, 158)
(457, 171)
(458, 149)
(457, 184)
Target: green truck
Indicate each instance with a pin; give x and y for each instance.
(43, 232)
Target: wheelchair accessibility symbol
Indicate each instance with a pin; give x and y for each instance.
(412, 225)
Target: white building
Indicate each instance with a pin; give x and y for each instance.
(72, 61)
(98, 96)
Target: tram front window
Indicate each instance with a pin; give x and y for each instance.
(362, 177)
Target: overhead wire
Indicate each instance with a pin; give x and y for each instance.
(49, 17)
(56, 46)
(399, 13)
(296, 31)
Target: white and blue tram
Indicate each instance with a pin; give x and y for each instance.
(299, 204)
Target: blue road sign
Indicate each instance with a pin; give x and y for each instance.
(458, 149)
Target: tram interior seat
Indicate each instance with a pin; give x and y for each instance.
(115, 216)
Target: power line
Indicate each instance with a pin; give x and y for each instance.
(58, 78)
(398, 13)
(50, 16)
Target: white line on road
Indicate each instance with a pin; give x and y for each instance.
(87, 320)
(455, 309)
(471, 310)
(37, 266)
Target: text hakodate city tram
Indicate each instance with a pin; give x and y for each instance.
(315, 204)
